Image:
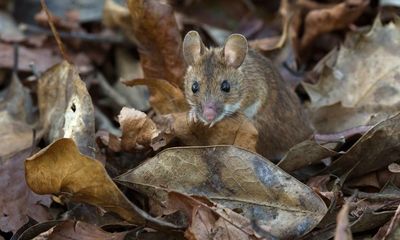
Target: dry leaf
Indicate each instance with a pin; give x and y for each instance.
(61, 169)
(41, 58)
(391, 229)
(137, 129)
(235, 178)
(364, 80)
(343, 231)
(210, 221)
(71, 230)
(164, 97)
(115, 15)
(66, 109)
(304, 154)
(374, 150)
(159, 44)
(320, 21)
(17, 201)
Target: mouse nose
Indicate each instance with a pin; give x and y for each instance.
(209, 111)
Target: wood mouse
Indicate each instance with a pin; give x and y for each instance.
(233, 79)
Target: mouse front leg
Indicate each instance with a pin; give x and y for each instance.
(192, 116)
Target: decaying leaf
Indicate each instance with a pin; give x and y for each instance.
(342, 224)
(235, 178)
(320, 21)
(17, 201)
(61, 169)
(364, 79)
(159, 44)
(391, 230)
(16, 118)
(137, 129)
(376, 149)
(71, 230)
(66, 109)
(164, 97)
(304, 154)
(210, 221)
(115, 15)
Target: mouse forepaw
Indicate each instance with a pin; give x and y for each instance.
(192, 116)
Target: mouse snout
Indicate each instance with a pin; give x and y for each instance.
(209, 111)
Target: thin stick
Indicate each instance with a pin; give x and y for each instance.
(54, 30)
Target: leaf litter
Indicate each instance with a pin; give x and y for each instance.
(184, 180)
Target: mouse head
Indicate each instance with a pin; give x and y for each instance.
(214, 80)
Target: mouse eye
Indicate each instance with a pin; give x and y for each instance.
(195, 87)
(225, 86)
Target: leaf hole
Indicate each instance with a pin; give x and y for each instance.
(73, 107)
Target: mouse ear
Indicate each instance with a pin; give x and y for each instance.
(193, 47)
(235, 50)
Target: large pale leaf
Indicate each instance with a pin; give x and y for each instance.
(235, 178)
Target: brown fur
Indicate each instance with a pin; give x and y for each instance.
(280, 120)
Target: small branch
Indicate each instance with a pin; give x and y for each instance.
(110, 91)
(54, 30)
(88, 37)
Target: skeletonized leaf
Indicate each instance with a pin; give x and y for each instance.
(235, 178)
(66, 109)
(61, 169)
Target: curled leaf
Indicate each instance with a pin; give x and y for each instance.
(61, 169)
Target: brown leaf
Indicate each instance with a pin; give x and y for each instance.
(320, 21)
(65, 106)
(165, 97)
(115, 15)
(304, 154)
(61, 169)
(391, 229)
(16, 133)
(235, 178)
(343, 231)
(210, 222)
(137, 129)
(42, 58)
(374, 150)
(159, 44)
(362, 84)
(17, 201)
(71, 230)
